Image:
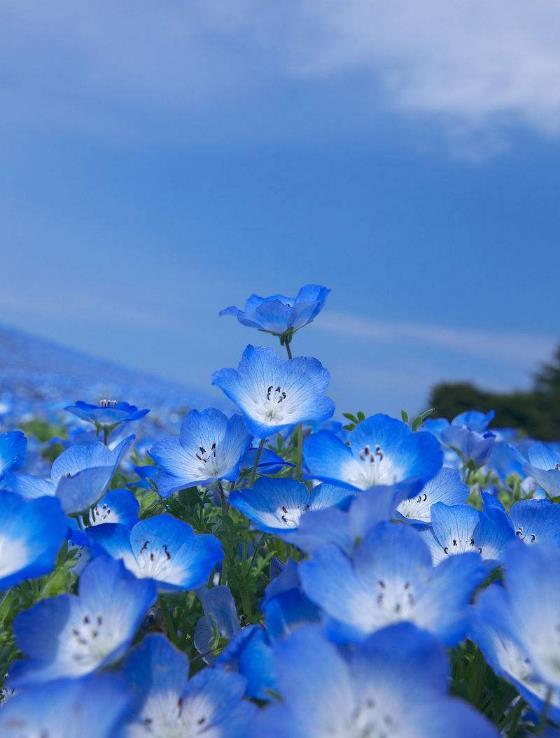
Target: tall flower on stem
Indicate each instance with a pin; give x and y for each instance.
(280, 315)
(107, 415)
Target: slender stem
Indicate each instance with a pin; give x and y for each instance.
(168, 619)
(223, 499)
(258, 544)
(543, 719)
(299, 459)
(106, 433)
(256, 462)
(288, 349)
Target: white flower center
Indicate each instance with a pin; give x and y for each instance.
(372, 467)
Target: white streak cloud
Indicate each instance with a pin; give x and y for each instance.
(516, 348)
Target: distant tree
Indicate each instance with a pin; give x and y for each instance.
(535, 412)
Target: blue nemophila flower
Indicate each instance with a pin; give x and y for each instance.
(459, 529)
(285, 608)
(390, 578)
(536, 521)
(275, 395)
(277, 505)
(92, 707)
(209, 447)
(474, 420)
(31, 534)
(527, 609)
(544, 467)
(73, 635)
(395, 684)
(344, 529)
(220, 619)
(506, 460)
(492, 631)
(79, 476)
(467, 434)
(382, 451)
(447, 487)
(209, 704)
(117, 506)
(281, 315)
(250, 654)
(13, 446)
(108, 414)
(161, 548)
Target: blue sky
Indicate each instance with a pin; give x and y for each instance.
(159, 164)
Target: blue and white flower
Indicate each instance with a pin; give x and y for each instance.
(277, 505)
(108, 414)
(209, 448)
(116, 506)
(447, 487)
(79, 476)
(390, 578)
(276, 395)
(536, 521)
(92, 707)
(527, 612)
(544, 467)
(209, 704)
(382, 451)
(31, 535)
(395, 684)
(344, 528)
(281, 315)
(72, 635)
(161, 548)
(459, 529)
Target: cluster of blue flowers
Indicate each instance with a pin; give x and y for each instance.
(275, 573)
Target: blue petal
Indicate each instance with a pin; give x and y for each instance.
(543, 456)
(273, 505)
(447, 487)
(97, 705)
(32, 532)
(192, 557)
(156, 665)
(71, 636)
(117, 506)
(326, 457)
(536, 521)
(13, 446)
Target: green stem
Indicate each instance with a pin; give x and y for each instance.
(299, 460)
(543, 719)
(258, 544)
(168, 620)
(106, 433)
(258, 455)
(289, 350)
(511, 721)
(223, 499)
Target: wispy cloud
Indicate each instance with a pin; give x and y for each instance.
(473, 65)
(518, 348)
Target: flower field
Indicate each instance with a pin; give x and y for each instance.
(286, 570)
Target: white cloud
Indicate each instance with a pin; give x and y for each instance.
(470, 63)
(516, 348)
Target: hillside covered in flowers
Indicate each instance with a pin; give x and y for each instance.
(289, 571)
